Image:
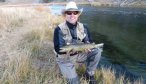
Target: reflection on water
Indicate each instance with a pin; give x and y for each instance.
(123, 30)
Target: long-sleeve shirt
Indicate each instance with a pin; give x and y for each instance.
(60, 42)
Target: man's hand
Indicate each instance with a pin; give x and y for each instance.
(72, 52)
(87, 50)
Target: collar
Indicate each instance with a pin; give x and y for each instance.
(70, 25)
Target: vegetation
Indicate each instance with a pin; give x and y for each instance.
(106, 3)
(26, 50)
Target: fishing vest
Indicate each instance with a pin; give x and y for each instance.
(67, 35)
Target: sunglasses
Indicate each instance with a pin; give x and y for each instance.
(72, 12)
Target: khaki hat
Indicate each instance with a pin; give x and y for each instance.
(71, 6)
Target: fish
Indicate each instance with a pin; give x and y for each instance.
(80, 47)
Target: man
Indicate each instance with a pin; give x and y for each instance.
(72, 32)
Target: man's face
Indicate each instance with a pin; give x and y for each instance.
(72, 16)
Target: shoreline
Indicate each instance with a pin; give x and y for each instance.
(96, 4)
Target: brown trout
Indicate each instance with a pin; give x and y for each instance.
(80, 47)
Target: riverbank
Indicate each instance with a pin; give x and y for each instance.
(134, 4)
(26, 50)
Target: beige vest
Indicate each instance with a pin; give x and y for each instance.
(66, 32)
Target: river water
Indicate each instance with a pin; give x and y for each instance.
(123, 31)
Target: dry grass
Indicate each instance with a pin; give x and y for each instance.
(12, 16)
(30, 58)
(26, 49)
(108, 76)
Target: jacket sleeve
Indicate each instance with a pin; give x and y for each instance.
(58, 40)
(88, 38)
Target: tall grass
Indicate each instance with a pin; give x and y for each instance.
(30, 59)
(12, 16)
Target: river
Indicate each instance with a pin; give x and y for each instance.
(123, 31)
